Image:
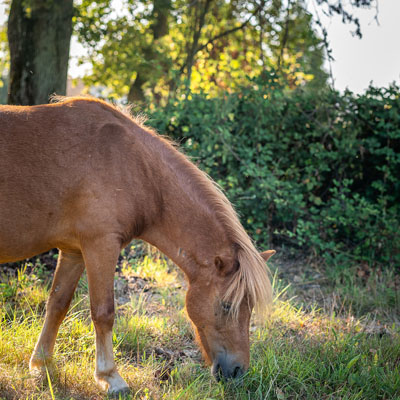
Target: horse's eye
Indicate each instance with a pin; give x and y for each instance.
(226, 307)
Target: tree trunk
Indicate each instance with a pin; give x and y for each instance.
(160, 28)
(161, 9)
(39, 34)
(200, 17)
(136, 93)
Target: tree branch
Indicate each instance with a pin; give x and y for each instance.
(191, 52)
(285, 35)
(229, 31)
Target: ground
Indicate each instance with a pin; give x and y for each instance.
(332, 334)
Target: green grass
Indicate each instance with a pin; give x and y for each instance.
(298, 353)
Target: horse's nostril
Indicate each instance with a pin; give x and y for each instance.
(237, 372)
(217, 371)
(222, 369)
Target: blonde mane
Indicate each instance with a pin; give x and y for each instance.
(251, 281)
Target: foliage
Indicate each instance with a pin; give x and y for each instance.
(151, 50)
(206, 46)
(318, 171)
(4, 64)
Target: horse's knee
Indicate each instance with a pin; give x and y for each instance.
(103, 316)
(57, 304)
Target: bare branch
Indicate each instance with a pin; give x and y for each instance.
(229, 31)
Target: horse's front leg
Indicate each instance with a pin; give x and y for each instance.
(101, 256)
(69, 269)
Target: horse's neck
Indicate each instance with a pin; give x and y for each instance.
(188, 230)
(186, 233)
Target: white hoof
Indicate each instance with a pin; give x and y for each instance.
(38, 366)
(114, 383)
(119, 393)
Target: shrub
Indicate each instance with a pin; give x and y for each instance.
(316, 171)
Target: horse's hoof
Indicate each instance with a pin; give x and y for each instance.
(118, 393)
(38, 374)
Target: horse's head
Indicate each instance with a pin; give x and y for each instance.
(219, 302)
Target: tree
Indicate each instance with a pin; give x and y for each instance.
(203, 45)
(39, 34)
(152, 50)
(159, 28)
(128, 48)
(342, 8)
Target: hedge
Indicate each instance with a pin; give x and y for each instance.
(316, 172)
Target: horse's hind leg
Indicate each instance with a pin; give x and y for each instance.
(69, 269)
(101, 257)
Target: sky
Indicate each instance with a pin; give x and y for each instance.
(374, 58)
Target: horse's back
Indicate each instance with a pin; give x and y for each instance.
(55, 160)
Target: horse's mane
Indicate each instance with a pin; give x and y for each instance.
(252, 278)
(251, 281)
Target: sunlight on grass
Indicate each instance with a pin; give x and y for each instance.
(155, 270)
(295, 353)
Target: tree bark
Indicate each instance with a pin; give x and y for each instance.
(198, 23)
(39, 34)
(161, 9)
(160, 28)
(136, 93)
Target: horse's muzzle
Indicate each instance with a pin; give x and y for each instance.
(225, 367)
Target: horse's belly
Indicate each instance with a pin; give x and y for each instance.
(25, 230)
(19, 239)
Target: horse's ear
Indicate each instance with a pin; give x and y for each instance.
(219, 264)
(267, 254)
(223, 268)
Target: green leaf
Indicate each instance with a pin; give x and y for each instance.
(353, 361)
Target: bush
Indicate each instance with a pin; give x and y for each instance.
(316, 171)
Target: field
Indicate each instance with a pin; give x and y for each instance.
(330, 335)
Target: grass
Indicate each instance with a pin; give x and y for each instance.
(300, 352)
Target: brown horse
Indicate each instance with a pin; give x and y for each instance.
(86, 178)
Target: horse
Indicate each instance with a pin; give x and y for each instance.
(85, 177)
